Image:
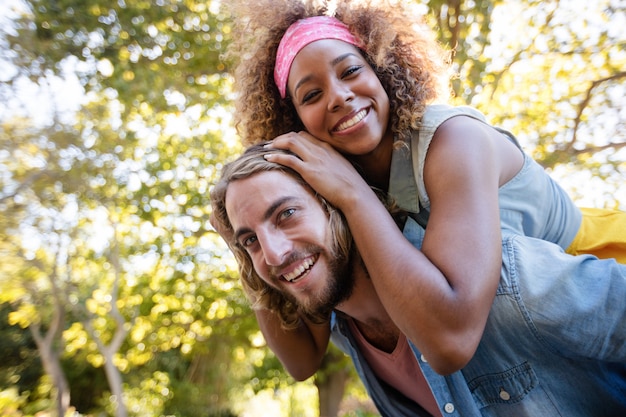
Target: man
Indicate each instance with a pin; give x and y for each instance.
(554, 342)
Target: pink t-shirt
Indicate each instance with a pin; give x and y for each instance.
(398, 369)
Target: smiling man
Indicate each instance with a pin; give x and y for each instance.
(554, 342)
(276, 220)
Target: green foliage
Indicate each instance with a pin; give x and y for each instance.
(142, 48)
(11, 402)
(127, 183)
(84, 378)
(464, 28)
(20, 368)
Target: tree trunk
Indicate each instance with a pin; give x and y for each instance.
(331, 385)
(114, 377)
(52, 366)
(115, 383)
(50, 343)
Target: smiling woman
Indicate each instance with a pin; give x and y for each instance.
(328, 73)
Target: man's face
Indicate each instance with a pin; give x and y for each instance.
(287, 235)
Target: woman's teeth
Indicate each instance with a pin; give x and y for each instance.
(356, 119)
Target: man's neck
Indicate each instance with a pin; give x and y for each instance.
(365, 307)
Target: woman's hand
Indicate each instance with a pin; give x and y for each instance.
(327, 171)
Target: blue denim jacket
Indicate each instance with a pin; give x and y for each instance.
(554, 343)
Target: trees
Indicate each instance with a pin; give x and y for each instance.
(104, 181)
(105, 222)
(553, 73)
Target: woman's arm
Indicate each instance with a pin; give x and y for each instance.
(439, 297)
(300, 350)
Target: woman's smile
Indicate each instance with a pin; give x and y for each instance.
(337, 94)
(351, 121)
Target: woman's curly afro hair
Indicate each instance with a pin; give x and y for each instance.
(404, 53)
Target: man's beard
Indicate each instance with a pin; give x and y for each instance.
(338, 289)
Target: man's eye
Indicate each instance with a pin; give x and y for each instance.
(248, 241)
(287, 213)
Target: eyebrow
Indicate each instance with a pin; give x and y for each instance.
(266, 215)
(333, 63)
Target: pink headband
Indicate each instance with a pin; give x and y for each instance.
(299, 35)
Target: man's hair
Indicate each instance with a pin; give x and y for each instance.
(260, 294)
(401, 49)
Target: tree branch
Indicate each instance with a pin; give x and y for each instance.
(31, 178)
(583, 105)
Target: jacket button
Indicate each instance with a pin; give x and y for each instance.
(504, 395)
(449, 408)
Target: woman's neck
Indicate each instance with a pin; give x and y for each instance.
(376, 165)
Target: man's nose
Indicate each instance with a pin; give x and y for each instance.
(276, 247)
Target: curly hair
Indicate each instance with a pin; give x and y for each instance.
(260, 294)
(402, 50)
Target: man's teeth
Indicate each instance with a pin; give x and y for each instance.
(299, 270)
(356, 119)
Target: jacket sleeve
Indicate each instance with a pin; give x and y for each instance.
(576, 305)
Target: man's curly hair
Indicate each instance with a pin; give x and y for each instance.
(402, 50)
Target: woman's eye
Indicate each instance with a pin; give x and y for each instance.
(351, 70)
(309, 96)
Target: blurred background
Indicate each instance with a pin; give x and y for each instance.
(116, 296)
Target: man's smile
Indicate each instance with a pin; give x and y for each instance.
(300, 270)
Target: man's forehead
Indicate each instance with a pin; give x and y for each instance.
(256, 194)
(274, 182)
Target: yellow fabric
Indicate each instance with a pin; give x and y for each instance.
(602, 233)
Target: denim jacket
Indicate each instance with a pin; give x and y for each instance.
(554, 343)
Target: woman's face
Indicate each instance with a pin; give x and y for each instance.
(338, 97)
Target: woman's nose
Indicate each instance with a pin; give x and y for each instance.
(339, 95)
